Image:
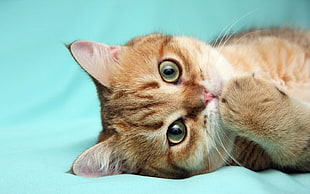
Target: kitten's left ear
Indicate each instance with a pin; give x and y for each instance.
(100, 160)
(97, 59)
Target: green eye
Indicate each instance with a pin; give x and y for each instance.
(176, 132)
(169, 71)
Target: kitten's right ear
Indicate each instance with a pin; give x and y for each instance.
(95, 58)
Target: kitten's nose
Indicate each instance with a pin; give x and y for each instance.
(208, 96)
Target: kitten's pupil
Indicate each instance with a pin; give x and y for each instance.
(169, 70)
(175, 130)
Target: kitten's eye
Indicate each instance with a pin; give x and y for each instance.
(176, 132)
(169, 71)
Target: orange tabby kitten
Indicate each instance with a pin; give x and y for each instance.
(174, 106)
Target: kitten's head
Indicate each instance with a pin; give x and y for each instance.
(159, 107)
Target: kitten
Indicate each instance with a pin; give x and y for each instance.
(174, 107)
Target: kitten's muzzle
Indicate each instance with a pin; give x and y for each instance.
(208, 97)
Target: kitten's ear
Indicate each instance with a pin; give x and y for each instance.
(95, 58)
(99, 160)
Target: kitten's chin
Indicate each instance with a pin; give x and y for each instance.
(212, 108)
(219, 142)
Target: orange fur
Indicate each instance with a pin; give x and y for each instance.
(259, 116)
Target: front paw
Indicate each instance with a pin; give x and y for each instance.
(250, 103)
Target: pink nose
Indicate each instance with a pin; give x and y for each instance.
(208, 96)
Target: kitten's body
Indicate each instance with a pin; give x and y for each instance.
(246, 102)
(284, 57)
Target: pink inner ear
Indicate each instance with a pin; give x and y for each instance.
(96, 58)
(115, 51)
(84, 45)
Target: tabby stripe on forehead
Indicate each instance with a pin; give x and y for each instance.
(166, 40)
(150, 85)
(149, 127)
(153, 126)
(137, 107)
(184, 56)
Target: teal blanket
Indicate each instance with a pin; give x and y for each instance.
(49, 112)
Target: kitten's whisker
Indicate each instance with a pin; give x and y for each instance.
(222, 144)
(217, 150)
(225, 38)
(220, 36)
(214, 127)
(220, 44)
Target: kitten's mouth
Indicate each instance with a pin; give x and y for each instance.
(208, 96)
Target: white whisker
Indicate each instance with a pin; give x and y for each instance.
(216, 149)
(222, 144)
(220, 139)
(226, 36)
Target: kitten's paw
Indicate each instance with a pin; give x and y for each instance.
(249, 102)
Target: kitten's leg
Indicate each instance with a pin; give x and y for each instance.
(254, 108)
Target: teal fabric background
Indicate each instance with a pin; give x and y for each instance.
(49, 111)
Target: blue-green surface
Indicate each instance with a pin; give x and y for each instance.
(49, 111)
